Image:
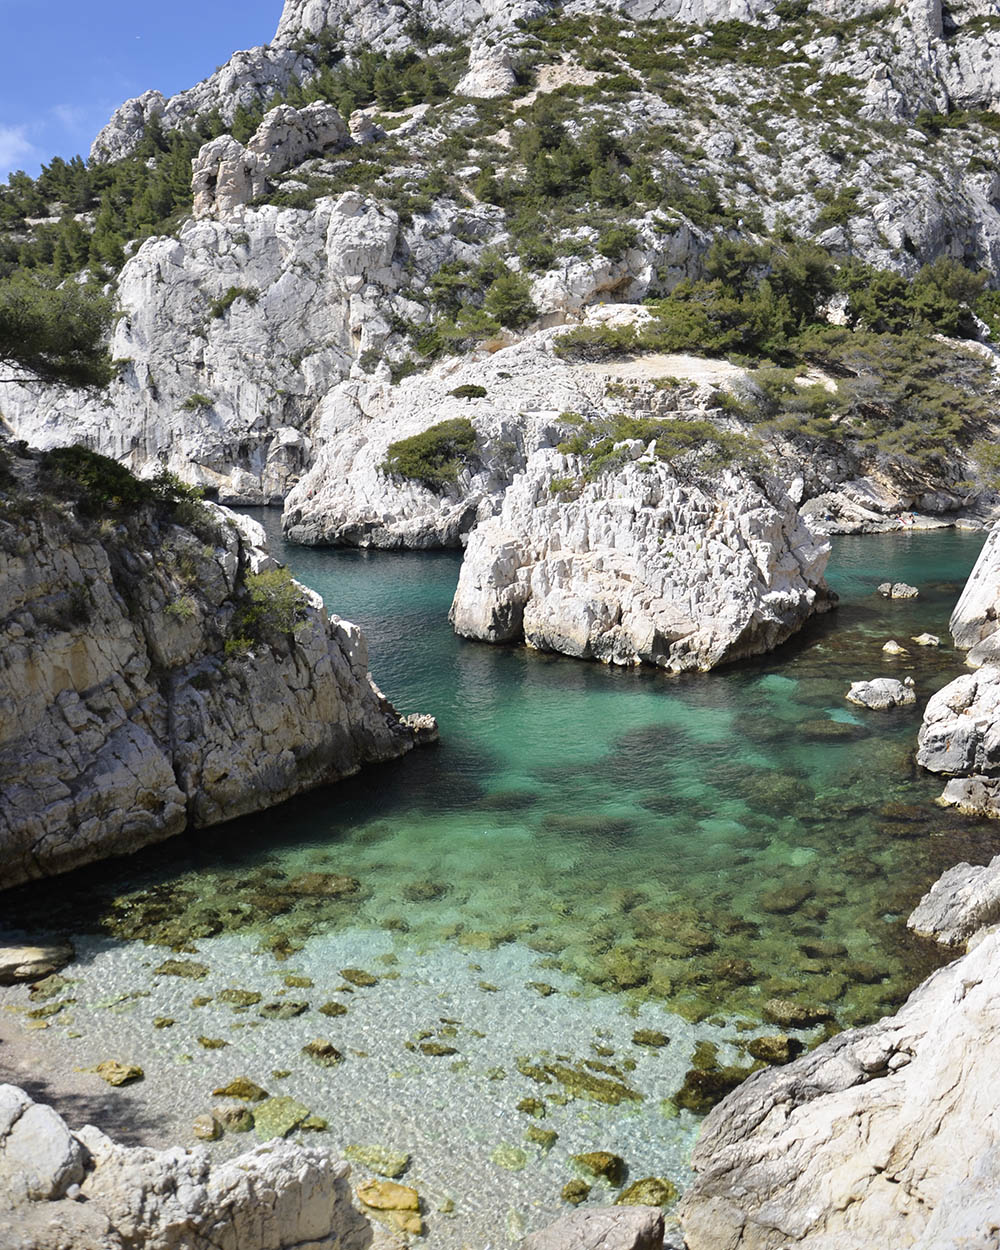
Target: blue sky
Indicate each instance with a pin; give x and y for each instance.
(66, 65)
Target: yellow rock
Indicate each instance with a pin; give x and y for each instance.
(116, 1073)
(399, 1203)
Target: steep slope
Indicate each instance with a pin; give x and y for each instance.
(158, 670)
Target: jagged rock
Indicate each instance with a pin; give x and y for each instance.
(226, 176)
(962, 901)
(960, 733)
(490, 73)
(122, 718)
(276, 1197)
(640, 567)
(973, 796)
(602, 1228)
(878, 1137)
(882, 693)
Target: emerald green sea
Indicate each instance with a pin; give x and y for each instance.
(587, 851)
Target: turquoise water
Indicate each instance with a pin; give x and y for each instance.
(587, 851)
(689, 839)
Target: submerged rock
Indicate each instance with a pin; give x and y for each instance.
(391, 1163)
(651, 1191)
(963, 900)
(398, 1203)
(604, 1164)
(243, 1088)
(898, 590)
(277, 1117)
(116, 1073)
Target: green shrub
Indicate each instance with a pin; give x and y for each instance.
(699, 443)
(219, 307)
(616, 241)
(508, 300)
(434, 456)
(469, 391)
(272, 605)
(196, 401)
(100, 486)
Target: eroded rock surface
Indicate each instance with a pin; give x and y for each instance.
(602, 1228)
(881, 694)
(59, 1188)
(640, 566)
(882, 1136)
(124, 716)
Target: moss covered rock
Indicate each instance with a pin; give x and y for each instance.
(651, 1191)
(391, 1163)
(604, 1164)
(242, 1087)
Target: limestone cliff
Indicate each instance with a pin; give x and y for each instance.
(159, 672)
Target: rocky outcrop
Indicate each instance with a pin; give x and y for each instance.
(881, 693)
(640, 565)
(882, 1136)
(227, 176)
(246, 79)
(145, 689)
(960, 733)
(60, 1188)
(962, 901)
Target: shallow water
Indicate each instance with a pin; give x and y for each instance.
(666, 852)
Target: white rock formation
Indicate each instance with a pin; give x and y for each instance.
(881, 694)
(882, 1136)
(62, 1189)
(962, 901)
(976, 617)
(226, 175)
(960, 733)
(123, 719)
(640, 566)
(602, 1228)
(490, 73)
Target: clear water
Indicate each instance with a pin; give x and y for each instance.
(674, 852)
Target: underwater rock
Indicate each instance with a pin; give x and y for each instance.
(189, 968)
(601, 1228)
(546, 1138)
(212, 1043)
(391, 1163)
(704, 1087)
(332, 1009)
(116, 1073)
(282, 1010)
(32, 963)
(575, 1192)
(603, 1164)
(356, 976)
(243, 1088)
(792, 1015)
(510, 1158)
(650, 1037)
(239, 998)
(822, 729)
(234, 1119)
(787, 898)
(775, 1049)
(277, 1117)
(651, 1191)
(425, 891)
(206, 1128)
(398, 1203)
(323, 1053)
(323, 885)
(882, 693)
(897, 590)
(431, 1047)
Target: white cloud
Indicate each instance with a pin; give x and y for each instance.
(14, 148)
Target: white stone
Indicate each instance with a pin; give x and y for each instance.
(882, 693)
